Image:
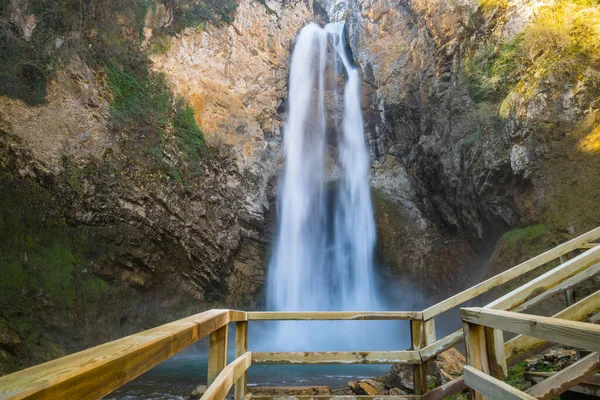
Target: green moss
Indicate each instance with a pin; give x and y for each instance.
(525, 234)
(187, 131)
(516, 376)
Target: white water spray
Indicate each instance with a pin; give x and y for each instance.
(323, 255)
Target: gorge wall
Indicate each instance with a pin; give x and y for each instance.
(139, 187)
(482, 118)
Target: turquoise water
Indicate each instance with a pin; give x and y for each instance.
(177, 377)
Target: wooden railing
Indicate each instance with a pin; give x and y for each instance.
(484, 377)
(96, 372)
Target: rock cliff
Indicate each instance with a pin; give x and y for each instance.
(115, 215)
(479, 130)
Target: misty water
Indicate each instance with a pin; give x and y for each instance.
(323, 255)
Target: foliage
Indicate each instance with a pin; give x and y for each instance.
(187, 14)
(516, 376)
(41, 257)
(561, 45)
(494, 70)
(187, 131)
(103, 32)
(525, 234)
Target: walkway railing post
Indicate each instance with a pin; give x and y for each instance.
(418, 342)
(217, 353)
(241, 347)
(495, 350)
(477, 355)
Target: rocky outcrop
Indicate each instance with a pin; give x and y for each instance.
(141, 232)
(466, 138)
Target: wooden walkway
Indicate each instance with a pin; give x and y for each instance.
(96, 372)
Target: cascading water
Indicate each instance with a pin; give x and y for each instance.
(323, 255)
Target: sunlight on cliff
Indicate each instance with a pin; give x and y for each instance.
(591, 143)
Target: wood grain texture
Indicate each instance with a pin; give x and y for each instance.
(96, 372)
(224, 381)
(568, 333)
(334, 397)
(476, 349)
(338, 357)
(564, 286)
(217, 353)
(494, 339)
(591, 386)
(417, 335)
(566, 378)
(332, 315)
(521, 346)
(241, 347)
(510, 274)
(440, 346)
(446, 390)
(489, 387)
(547, 281)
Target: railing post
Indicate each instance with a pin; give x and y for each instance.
(241, 347)
(495, 352)
(477, 355)
(217, 353)
(419, 370)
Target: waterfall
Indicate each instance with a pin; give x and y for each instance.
(323, 255)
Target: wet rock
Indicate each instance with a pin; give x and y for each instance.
(199, 391)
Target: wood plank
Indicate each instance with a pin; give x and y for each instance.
(510, 274)
(586, 246)
(562, 287)
(476, 350)
(495, 350)
(217, 353)
(440, 346)
(590, 386)
(350, 357)
(446, 390)
(521, 347)
(332, 315)
(566, 378)
(546, 281)
(417, 335)
(96, 372)
(561, 331)
(491, 387)
(337, 397)
(224, 381)
(241, 347)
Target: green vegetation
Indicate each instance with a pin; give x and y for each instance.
(42, 260)
(560, 46)
(516, 376)
(188, 133)
(104, 32)
(525, 234)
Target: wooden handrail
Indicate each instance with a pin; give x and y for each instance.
(332, 315)
(511, 274)
(96, 372)
(338, 357)
(561, 331)
(228, 376)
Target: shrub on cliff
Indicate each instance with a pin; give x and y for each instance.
(561, 45)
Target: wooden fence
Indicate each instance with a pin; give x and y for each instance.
(96, 372)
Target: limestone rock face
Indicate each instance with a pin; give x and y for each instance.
(459, 169)
(160, 247)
